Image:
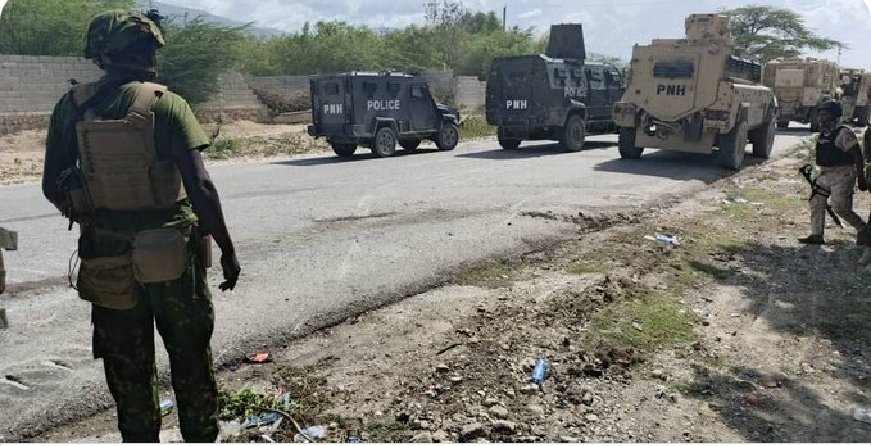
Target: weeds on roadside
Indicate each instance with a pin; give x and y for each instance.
(475, 126)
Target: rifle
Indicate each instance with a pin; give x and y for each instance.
(808, 172)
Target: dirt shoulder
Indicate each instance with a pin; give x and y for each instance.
(738, 334)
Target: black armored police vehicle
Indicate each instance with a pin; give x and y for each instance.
(552, 96)
(379, 111)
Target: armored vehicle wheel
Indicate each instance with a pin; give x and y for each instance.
(626, 144)
(862, 116)
(509, 144)
(763, 140)
(574, 134)
(782, 124)
(385, 142)
(448, 137)
(410, 145)
(732, 147)
(344, 150)
(814, 122)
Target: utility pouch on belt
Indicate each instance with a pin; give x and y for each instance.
(159, 255)
(108, 282)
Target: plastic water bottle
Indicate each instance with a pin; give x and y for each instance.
(540, 371)
(862, 414)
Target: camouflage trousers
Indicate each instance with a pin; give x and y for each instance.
(182, 311)
(841, 182)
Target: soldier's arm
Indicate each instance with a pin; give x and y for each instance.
(58, 155)
(849, 143)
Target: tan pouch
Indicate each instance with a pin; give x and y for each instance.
(108, 282)
(159, 255)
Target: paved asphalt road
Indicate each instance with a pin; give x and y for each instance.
(319, 239)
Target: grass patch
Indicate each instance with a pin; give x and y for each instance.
(582, 268)
(654, 321)
(475, 126)
(242, 403)
(223, 148)
(491, 276)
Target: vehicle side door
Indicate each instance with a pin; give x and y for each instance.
(615, 85)
(597, 94)
(424, 115)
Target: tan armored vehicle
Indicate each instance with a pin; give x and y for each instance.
(856, 87)
(801, 85)
(694, 94)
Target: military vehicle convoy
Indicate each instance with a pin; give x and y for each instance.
(379, 111)
(856, 87)
(800, 86)
(552, 96)
(694, 94)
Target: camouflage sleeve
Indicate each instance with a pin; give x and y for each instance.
(180, 129)
(60, 149)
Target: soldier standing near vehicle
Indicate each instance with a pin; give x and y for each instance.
(865, 236)
(840, 159)
(123, 160)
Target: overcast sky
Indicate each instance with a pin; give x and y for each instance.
(611, 27)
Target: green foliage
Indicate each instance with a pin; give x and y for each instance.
(196, 55)
(50, 27)
(244, 403)
(768, 32)
(476, 126)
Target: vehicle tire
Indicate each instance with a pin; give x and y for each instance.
(783, 125)
(448, 137)
(814, 122)
(626, 144)
(574, 133)
(344, 150)
(733, 146)
(862, 116)
(385, 142)
(410, 145)
(763, 140)
(508, 143)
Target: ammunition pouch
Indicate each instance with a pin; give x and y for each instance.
(108, 282)
(159, 255)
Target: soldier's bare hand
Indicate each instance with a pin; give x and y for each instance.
(232, 270)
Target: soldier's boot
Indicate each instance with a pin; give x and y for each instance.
(814, 239)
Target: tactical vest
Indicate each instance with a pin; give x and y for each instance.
(828, 155)
(118, 159)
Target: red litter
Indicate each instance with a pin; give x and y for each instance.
(259, 358)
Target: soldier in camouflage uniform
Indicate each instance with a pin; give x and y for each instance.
(865, 236)
(840, 159)
(144, 217)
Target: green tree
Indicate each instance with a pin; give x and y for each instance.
(768, 32)
(196, 55)
(50, 27)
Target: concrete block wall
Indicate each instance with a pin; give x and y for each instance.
(280, 84)
(234, 98)
(34, 84)
(469, 92)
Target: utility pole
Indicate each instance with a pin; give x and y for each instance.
(504, 17)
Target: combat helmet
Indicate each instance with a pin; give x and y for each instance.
(123, 39)
(833, 107)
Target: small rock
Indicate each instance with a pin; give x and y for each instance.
(770, 383)
(538, 410)
(498, 412)
(529, 389)
(440, 436)
(660, 392)
(441, 368)
(587, 399)
(591, 418)
(659, 374)
(673, 398)
(490, 402)
(509, 392)
(472, 432)
(424, 437)
(504, 426)
(567, 439)
(456, 379)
